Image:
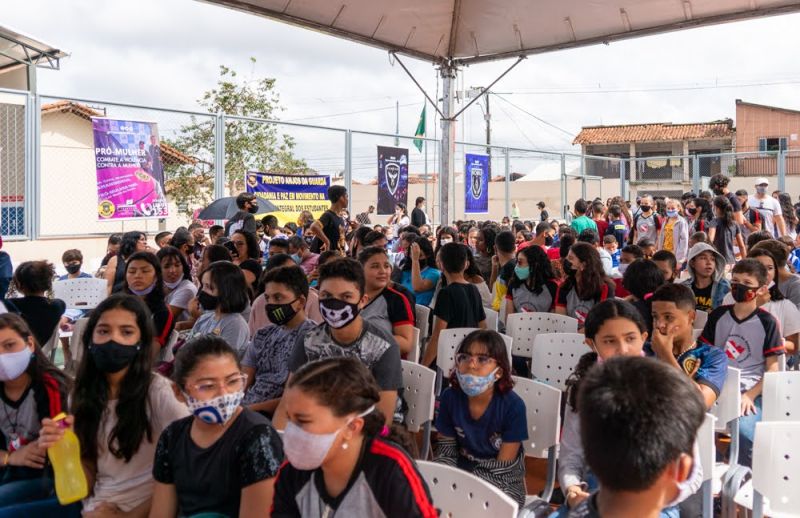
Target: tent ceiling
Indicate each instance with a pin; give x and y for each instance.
(469, 31)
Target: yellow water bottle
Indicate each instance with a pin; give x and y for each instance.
(65, 456)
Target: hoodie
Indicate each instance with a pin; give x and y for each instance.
(720, 286)
(680, 238)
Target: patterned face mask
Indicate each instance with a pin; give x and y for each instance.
(473, 385)
(218, 410)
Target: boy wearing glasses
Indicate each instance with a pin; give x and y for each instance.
(751, 339)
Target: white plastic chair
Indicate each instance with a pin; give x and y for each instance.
(543, 413)
(524, 327)
(421, 315)
(780, 397)
(776, 467)
(696, 333)
(492, 318)
(413, 356)
(457, 493)
(708, 451)
(555, 356)
(726, 409)
(700, 320)
(418, 386)
(76, 345)
(85, 293)
(51, 346)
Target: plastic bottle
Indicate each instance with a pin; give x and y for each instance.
(65, 456)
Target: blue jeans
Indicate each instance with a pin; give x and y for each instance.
(747, 431)
(49, 508)
(25, 490)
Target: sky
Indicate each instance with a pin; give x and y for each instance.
(166, 53)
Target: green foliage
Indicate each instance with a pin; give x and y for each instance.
(249, 145)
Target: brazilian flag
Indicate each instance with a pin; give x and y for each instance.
(420, 129)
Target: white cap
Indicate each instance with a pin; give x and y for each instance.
(761, 181)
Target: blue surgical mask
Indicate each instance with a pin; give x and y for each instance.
(522, 272)
(672, 213)
(473, 385)
(296, 258)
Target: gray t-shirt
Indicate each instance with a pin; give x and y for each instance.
(527, 301)
(376, 350)
(181, 296)
(725, 238)
(231, 327)
(269, 354)
(790, 288)
(20, 424)
(646, 227)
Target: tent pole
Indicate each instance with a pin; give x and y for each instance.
(448, 73)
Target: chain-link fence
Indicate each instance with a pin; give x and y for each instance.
(48, 180)
(14, 149)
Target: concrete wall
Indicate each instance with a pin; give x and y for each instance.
(755, 122)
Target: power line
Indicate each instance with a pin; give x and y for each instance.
(355, 112)
(685, 87)
(523, 110)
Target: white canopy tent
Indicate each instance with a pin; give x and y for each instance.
(453, 33)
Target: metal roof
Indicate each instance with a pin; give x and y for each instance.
(18, 49)
(469, 31)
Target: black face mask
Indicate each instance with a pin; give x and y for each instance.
(73, 268)
(111, 357)
(646, 208)
(207, 302)
(568, 269)
(692, 211)
(548, 241)
(280, 314)
(718, 191)
(252, 209)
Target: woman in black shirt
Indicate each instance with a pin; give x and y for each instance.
(222, 460)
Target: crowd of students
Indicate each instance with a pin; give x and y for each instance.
(208, 345)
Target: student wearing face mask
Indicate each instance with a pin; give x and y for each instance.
(73, 261)
(614, 328)
(532, 287)
(481, 421)
(768, 208)
(345, 333)
(342, 458)
(646, 224)
(120, 408)
(222, 459)
(266, 361)
(674, 235)
(33, 389)
(243, 219)
(719, 186)
(143, 278)
(178, 285)
(223, 297)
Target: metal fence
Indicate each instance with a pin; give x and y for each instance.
(48, 179)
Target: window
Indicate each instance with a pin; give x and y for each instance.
(772, 144)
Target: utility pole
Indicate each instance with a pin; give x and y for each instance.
(397, 123)
(488, 118)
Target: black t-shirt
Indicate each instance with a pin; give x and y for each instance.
(418, 217)
(702, 297)
(41, 314)
(460, 305)
(735, 203)
(242, 220)
(210, 480)
(333, 228)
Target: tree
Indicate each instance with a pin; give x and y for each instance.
(250, 145)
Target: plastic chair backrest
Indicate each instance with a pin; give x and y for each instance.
(449, 340)
(696, 333)
(780, 398)
(457, 493)
(524, 327)
(555, 356)
(50, 347)
(85, 293)
(413, 356)
(421, 315)
(492, 318)
(726, 408)
(418, 385)
(543, 412)
(700, 320)
(776, 465)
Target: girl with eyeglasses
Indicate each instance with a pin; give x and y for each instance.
(221, 460)
(481, 422)
(120, 408)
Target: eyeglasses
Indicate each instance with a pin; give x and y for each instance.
(208, 389)
(480, 359)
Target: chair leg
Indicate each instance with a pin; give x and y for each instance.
(708, 499)
(550, 481)
(733, 451)
(758, 505)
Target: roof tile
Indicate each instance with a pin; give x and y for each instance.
(659, 131)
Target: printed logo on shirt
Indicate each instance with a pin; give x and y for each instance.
(737, 348)
(691, 364)
(496, 441)
(703, 303)
(581, 316)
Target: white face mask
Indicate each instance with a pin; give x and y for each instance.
(218, 410)
(305, 450)
(12, 365)
(445, 240)
(173, 285)
(692, 483)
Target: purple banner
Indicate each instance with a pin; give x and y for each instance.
(392, 178)
(130, 173)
